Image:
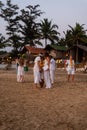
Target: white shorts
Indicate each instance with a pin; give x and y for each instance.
(71, 71)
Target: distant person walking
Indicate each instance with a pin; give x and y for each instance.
(70, 67)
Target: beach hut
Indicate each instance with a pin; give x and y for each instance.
(79, 53)
(32, 52)
(59, 52)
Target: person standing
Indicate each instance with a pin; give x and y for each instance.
(46, 69)
(52, 69)
(41, 72)
(36, 70)
(20, 71)
(70, 67)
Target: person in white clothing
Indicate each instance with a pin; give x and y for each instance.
(41, 72)
(46, 69)
(70, 67)
(20, 71)
(36, 70)
(52, 69)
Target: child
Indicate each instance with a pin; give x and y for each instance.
(20, 71)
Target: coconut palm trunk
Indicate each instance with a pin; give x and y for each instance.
(77, 53)
(45, 42)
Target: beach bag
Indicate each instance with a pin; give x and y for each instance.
(25, 68)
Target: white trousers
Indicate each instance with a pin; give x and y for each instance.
(52, 72)
(47, 79)
(36, 77)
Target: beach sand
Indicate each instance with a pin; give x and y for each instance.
(23, 107)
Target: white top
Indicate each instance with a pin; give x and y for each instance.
(52, 64)
(69, 65)
(46, 66)
(36, 66)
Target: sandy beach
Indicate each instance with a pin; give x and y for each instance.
(23, 107)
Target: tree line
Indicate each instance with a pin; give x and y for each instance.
(22, 28)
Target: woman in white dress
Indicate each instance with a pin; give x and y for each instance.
(36, 70)
(20, 71)
(46, 69)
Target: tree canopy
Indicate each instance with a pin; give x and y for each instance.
(23, 27)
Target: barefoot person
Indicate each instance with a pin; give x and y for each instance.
(70, 67)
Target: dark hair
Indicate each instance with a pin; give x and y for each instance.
(46, 54)
(21, 62)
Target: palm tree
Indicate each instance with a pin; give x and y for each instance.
(48, 31)
(75, 36)
(62, 42)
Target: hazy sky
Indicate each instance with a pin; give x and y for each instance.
(61, 12)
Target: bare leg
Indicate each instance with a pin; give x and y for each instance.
(35, 85)
(68, 77)
(73, 77)
(41, 83)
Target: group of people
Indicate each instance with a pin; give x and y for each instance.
(44, 70)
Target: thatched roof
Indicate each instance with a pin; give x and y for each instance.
(82, 47)
(33, 50)
(56, 47)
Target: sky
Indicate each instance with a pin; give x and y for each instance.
(61, 12)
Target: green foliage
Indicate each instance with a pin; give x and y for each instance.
(9, 13)
(76, 35)
(24, 29)
(2, 42)
(49, 31)
(29, 28)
